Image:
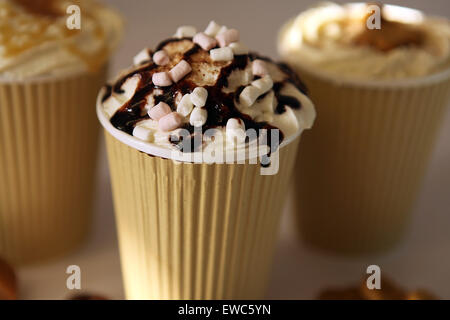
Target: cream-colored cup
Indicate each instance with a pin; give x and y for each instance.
(361, 168)
(193, 230)
(48, 147)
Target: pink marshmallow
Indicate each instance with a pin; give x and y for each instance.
(227, 37)
(160, 110)
(204, 41)
(161, 58)
(161, 79)
(180, 70)
(170, 122)
(259, 68)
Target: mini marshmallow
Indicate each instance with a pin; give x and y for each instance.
(227, 37)
(259, 67)
(263, 84)
(130, 85)
(161, 58)
(170, 122)
(160, 110)
(185, 105)
(199, 96)
(235, 131)
(238, 48)
(142, 133)
(161, 79)
(142, 56)
(204, 41)
(212, 29)
(222, 30)
(221, 54)
(180, 71)
(248, 96)
(111, 105)
(185, 31)
(198, 117)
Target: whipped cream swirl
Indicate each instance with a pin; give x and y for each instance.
(35, 40)
(335, 39)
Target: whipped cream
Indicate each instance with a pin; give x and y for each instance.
(35, 40)
(204, 84)
(334, 38)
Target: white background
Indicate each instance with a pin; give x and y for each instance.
(421, 260)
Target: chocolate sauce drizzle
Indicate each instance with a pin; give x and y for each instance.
(220, 105)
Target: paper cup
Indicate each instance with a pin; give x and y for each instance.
(48, 141)
(193, 230)
(360, 169)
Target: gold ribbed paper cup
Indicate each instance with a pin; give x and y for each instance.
(360, 169)
(48, 141)
(194, 230)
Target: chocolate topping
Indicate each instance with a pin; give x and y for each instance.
(220, 103)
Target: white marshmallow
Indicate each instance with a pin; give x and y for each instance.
(259, 68)
(227, 37)
(222, 29)
(185, 31)
(238, 48)
(180, 70)
(198, 117)
(130, 85)
(263, 84)
(161, 79)
(235, 131)
(199, 96)
(248, 96)
(159, 111)
(161, 58)
(212, 29)
(221, 54)
(111, 105)
(142, 56)
(185, 105)
(142, 133)
(170, 122)
(204, 41)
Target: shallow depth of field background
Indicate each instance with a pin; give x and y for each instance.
(422, 260)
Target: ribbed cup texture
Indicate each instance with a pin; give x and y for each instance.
(48, 141)
(360, 169)
(195, 231)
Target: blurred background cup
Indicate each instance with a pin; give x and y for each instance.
(48, 130)
(360, 169)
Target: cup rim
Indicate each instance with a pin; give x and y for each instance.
(153, 149)
(361, 82)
